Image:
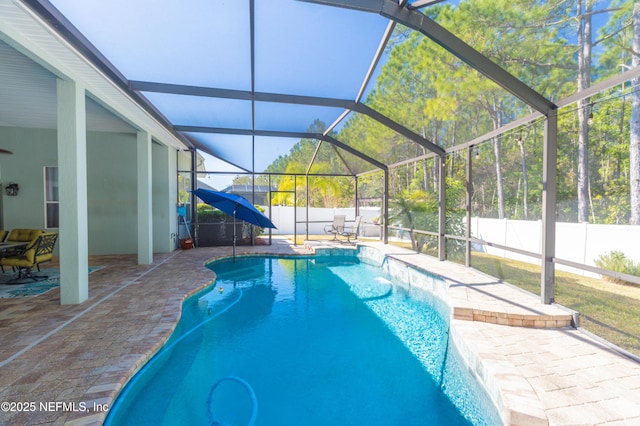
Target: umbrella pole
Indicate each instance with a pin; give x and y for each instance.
(234, 236)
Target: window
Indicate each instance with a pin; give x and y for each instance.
(51, 200)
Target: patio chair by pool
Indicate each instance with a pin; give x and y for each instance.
(336, 227)
(351, 231)
(36, 252)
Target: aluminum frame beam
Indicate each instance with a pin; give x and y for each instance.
(418, 21)
(447, 40)
(272, 133)
(409, 134)
(468, 206)
(287, 99)
(549, 206)
(376, 58)
(353, 151)
(246, 132)
(243, 95)
(418, 4)
(315, 154)
(442, 208)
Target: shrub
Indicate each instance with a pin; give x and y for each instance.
(616, 261)
(209, 214)
(419, 210)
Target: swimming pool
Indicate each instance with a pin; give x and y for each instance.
(306, 341)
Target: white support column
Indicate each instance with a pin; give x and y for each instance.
(145, 216)
(172, 176)
(72, 172)
(164, 198)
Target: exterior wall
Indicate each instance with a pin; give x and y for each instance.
(112, 193)
(32, 150)
(111, 183)
(184, 160)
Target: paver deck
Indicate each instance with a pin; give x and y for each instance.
(83, 354)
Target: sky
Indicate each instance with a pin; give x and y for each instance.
(300, 48)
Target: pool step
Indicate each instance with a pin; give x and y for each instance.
(513, 319)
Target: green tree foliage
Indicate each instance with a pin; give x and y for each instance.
(327, 190)
(418, 210)
(433, 93)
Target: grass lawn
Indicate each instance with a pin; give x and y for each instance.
(609, 310)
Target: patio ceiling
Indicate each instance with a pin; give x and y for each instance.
(238, 78)
(29, 97)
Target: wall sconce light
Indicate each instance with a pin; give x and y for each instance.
(12, 189)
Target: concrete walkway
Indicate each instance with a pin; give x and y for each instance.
(69, 362)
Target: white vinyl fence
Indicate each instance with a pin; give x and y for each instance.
(577, 242)
(283, 218)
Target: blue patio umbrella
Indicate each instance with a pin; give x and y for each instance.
(236, 206)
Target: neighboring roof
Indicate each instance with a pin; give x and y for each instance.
(247, 188)
(201, 184)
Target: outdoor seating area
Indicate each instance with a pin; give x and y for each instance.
(25, 250)
(340, 228)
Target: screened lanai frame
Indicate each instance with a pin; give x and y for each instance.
(408, 15)
(468, 150)
(398, 12)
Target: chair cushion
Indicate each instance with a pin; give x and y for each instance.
(22, 235)
(17, 261)
(25, 261)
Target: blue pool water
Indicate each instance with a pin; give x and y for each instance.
(305, 341)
